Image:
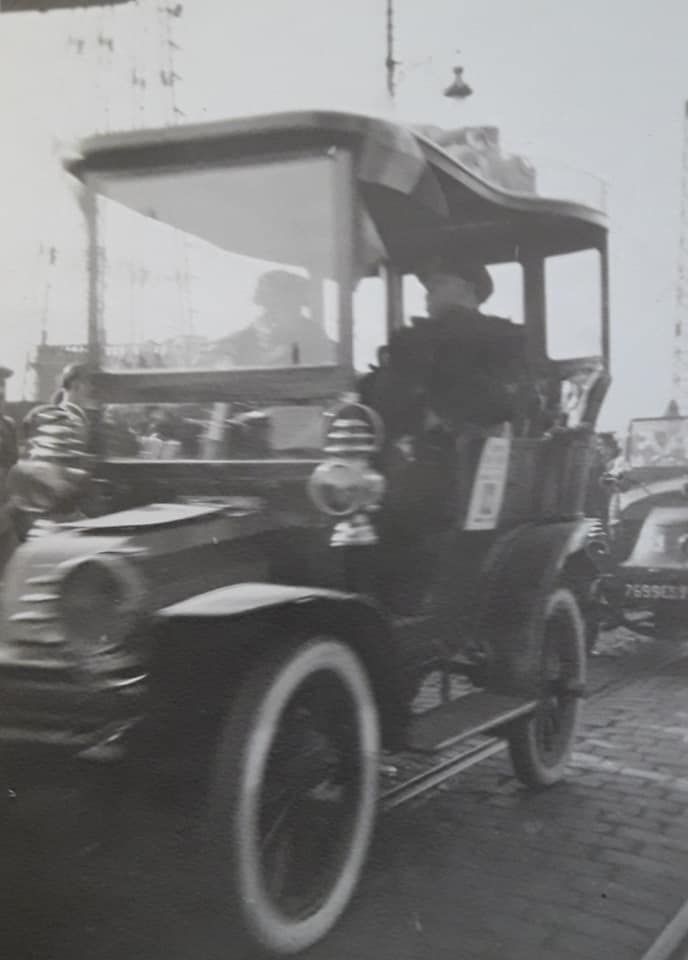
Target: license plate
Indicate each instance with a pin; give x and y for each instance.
(656, 591)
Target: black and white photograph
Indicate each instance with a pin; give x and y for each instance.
(343, 480)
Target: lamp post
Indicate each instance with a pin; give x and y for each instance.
(458, 89)
(390, 60)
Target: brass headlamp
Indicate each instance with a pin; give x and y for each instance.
(346, 485)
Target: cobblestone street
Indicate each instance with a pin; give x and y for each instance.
(480, 868)
(595, 867)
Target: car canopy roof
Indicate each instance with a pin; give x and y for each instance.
(416, 190)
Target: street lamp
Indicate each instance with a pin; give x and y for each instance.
(458, 89)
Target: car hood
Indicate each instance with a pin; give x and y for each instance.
(156, 515)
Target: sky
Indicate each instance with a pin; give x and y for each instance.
(597, 86)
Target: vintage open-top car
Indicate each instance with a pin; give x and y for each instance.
(256, 572)
(648, 522)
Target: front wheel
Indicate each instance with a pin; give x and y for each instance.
(540, 744)
(294, 794)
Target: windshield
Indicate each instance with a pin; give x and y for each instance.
(661, 442)
(220, 267)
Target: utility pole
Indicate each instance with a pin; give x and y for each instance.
(390, 60)
(680, 358)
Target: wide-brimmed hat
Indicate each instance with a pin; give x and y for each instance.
(474, 273)
(281, 284)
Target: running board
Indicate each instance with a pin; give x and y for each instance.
(475, 713)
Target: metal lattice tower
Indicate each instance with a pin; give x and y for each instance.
(680, 358)
(124, 54)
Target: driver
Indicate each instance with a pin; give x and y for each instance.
(283, 334)
(457, 367)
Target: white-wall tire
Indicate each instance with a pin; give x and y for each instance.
(248, 753)
(556, 657)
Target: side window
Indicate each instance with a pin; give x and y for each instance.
(507, 297)
(574, 305)
(370, 321)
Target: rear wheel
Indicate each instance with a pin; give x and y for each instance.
(540, 744)
(293, 802)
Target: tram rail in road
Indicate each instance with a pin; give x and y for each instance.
(452, 764)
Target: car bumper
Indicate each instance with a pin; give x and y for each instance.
(54, 712)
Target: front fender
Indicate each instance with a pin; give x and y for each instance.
(241, 598)
(208, 640)
(521, 568)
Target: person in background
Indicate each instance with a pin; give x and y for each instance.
(119, 440)
(77, 390)
(9, 446)
(605, 451)
(162, 439)
(8, 457)
(52, 480)
(73, 403)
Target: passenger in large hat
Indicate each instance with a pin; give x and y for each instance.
(450, 379)
(458, 366)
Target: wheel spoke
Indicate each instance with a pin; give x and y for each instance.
(281, 859)
(541, 746)
(561, 687)
(547, 727)
(277, 821)
(309, 790)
